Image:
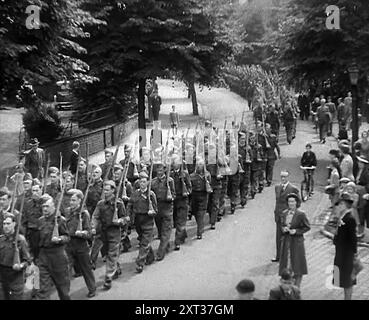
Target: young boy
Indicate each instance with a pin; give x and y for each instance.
(308, 159)
(174, 120)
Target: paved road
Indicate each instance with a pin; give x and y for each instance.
(241, 246)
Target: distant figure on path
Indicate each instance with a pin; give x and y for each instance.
(156, 103)
(174, 120)
(74, 157)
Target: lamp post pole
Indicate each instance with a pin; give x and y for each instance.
(354, 77)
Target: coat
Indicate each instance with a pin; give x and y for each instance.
(34, 161)
(294, 243)
(345, 242)
(281, 199)
(347, 167)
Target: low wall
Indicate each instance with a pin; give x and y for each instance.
(97, 141)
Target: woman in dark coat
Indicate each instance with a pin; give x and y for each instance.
(345, 242)
(294, 224)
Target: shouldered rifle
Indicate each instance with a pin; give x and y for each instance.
(87, 162)
(46, 173)
(264, 133)
(169, 192)
(6, 178)
(76, 178)
(16, 259)
(13, 197)
(151, 211)
(83, 204)
(185, 192)
(57, 212)
(114, 156)
(61, 169)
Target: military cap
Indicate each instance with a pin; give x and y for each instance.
(118, 167)
(362, 159)
(245, 286)
(27, 177)
(207, 123)
(76, 192)
(345, 180)
(46, 197)
(5, 191)
(241, 135)
(110, 183)
(53, 170)
(160, 165)
(344, 148)
(143, 175)
(36, 182)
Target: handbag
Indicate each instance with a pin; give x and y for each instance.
(358, 267)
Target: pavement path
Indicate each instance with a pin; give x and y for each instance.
(242, 244)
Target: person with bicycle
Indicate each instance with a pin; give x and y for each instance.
(308, 160)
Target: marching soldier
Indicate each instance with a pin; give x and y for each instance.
(65, 205)
(125, 194)
(110, 215)
(261, 139)
(272, 148)
(27, 191)
(12, 275)
(82, 181)
(107, 165)
(132, 174)
(245, 156)
(200, 181)
(79, 227)
(5, 206)
(257, 163)
(95, 191)
(54, 188)
(32, 213)
(272, 118)
(142, 209)
(34, 159)
(163, 188)
(53, 261)
(183, 188)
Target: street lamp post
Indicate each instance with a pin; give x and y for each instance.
(354, 78)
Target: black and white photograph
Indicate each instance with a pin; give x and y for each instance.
(184, 150)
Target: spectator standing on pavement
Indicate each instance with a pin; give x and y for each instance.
(303, 104)
(347, 164)
(74, 158)
(332, 110)
(34, 159)
(246, 289)
(362, 181)
(314, 107)
(174, 120)
(286, 290)
(345, 242)
(281, 192)
(323, 120)
(294, 224)
(363, 145)
(334, 181)
(156, 103)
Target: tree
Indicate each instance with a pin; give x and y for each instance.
(44, 54)
(146, 39)
(312, 52)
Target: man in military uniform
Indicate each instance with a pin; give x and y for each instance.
(5, 206)
(272, 118)
(272, 147)
(110, 215)
(53, 261)
(262, 152)
(95, 190)
(200, 181)
(107, 165)
(34, 159)
(65, 205)
(289, 120)
(12, 275)
(82, 180)
(54, 188)
(245, 156)
(32, 212)
(257, 163)
(165, 194)
(142, 210)
(132, 174)
(125, 193)
(183, 188)
(27, 190)
(79, 227)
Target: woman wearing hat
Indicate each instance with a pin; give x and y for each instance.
(345, 242)
(294, 224)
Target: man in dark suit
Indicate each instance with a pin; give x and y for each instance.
(281, 192)
(74, 157)
(34, 159)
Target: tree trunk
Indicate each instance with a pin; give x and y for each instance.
(192, 91)
(141, 113)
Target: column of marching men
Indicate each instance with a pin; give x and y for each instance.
(62, 223)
